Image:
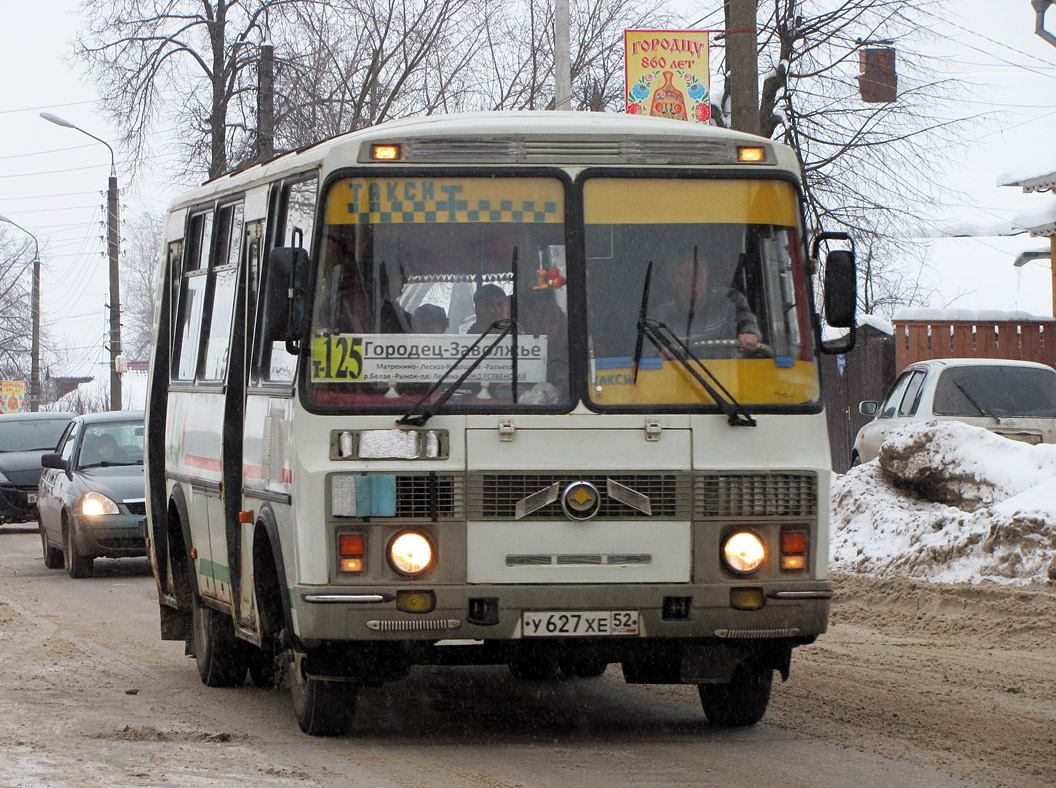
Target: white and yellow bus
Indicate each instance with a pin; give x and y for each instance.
(533, 389)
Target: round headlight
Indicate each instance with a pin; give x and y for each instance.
(94, 504)
(411, 553)
(743, 552)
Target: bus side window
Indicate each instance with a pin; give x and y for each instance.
(223, 277)
(191, 308)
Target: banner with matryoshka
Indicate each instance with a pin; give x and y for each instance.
(667, 74)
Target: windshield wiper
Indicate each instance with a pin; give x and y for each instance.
(974, 404)
(642, 314)
(736, 413)
(416, 415)
(665, 340)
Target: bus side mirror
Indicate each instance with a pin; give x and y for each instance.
(286, 304)
(841, 289)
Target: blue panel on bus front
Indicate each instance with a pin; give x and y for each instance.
(376, 496)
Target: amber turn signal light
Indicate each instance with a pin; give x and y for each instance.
(793, 550)
(386, 152)
(350, 550)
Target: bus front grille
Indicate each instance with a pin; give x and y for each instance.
(732, 495)
(495, 495)
(428, 496)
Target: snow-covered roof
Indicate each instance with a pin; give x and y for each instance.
(1031, 183)
(95, 394)
(927, 314)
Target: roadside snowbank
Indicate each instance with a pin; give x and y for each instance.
(948, 502)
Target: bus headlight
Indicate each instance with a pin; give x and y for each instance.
(411, 553)
(94, 504)
(743, 552)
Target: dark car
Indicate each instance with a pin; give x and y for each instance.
(91, 500)
(24, 439)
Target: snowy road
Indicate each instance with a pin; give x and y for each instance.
(915, 685)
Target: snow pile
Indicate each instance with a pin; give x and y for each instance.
(949, 502)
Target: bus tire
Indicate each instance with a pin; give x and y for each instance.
(322, 708)
(740, 703)
(221, 656)
(262, 668)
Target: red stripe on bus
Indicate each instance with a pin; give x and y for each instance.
(207, 463)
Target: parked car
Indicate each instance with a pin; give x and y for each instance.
(1016, 399)
(24, 439)
(91, 500)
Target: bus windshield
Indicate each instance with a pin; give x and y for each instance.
(726, 278)
(414, 270)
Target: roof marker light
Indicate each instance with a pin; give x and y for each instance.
(386, 152)
(752, 154)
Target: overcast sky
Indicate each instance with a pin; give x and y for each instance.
(53, 179)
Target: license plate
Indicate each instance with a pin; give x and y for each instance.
(31, 497)
(578, 623)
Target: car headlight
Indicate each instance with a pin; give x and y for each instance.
(743, 552)
(94, 504)
(411, 553)
(4, 479)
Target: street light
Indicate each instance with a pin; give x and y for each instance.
(113, 247)
(34, 374)
(1031, 255)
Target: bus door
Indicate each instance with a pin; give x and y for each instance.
(266, 469)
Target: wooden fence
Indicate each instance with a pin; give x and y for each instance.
(1028, 340)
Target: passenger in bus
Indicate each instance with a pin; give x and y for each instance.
(430, 319)
(393, 319)
(490, 303)
(543, 317)
(701, 310)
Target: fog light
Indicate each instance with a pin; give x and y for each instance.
(415, 601)
(747, 598)
(411, 553)
(743, 552)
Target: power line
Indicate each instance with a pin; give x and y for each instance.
(46, 106)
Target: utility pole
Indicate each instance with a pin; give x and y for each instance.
(266, 103)
(742, 60)
(113, 244)
(562, 58)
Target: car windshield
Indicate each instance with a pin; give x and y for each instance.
(111, 443)
(413, 271)
(1000, 391)
(31, 434)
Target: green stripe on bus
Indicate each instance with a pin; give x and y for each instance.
(293, 599)
(218, 572)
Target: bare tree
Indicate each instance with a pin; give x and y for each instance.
(140, 268)
(517, 60)
(347, 64)
(16, 319)
(183, 61)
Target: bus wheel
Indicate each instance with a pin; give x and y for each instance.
(262, 664)
(322, 708)
(221, 656)
(741, 702)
